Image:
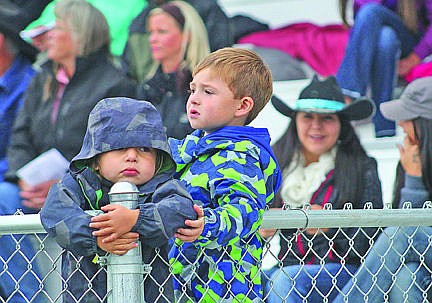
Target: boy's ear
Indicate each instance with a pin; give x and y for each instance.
(245, 106)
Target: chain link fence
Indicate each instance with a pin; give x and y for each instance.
(319, 232)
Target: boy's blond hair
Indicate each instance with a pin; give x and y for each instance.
(245, 74)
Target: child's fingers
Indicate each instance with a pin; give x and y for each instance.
(184, 238)
(195, 223)
(103, 232)
(185, 231)
(112, 237)
(121, 250)
(198, 209)
(100, 225)
(119, 238)
(100, 218)
(187, 234)
(106, 216)
(123, 244)
(110, 207)
(133, 236)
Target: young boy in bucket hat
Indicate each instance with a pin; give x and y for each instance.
(230, 170)
(125, 141)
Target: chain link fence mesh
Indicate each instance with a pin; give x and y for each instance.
(44, 274)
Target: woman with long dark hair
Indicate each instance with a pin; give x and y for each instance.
(323, 163)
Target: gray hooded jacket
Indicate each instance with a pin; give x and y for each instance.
(116, 123)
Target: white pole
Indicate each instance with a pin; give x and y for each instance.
(126, 272)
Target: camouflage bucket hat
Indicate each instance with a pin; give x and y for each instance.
(116, 123)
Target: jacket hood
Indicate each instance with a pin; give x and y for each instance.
(116, 123)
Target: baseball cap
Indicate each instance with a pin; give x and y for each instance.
(36, 31)
(415, 102)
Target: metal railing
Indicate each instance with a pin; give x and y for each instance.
(52, 286)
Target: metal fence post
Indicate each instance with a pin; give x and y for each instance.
(125, 273)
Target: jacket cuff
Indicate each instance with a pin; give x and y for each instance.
(414, 182)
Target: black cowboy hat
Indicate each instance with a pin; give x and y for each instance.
(326, 97)
(12, 21)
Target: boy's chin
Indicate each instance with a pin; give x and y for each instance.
(130, 180)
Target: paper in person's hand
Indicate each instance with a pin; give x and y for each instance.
(50, 165)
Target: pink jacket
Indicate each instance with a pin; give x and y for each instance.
(322, 47)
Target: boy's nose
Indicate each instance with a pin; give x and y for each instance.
(131, 154)
(193, 99)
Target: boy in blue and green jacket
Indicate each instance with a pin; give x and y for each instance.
(230, 171)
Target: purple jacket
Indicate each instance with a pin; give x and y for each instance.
(424, 9)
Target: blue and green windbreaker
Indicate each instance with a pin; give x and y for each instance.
(233, 174)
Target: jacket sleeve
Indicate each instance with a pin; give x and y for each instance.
(239, 196)
(414, 191)
(159, 219)
(65, 220)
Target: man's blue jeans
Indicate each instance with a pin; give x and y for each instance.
(18, 282)
(377, 40)
(384, 277)
(305, 283)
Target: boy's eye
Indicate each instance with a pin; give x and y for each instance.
(144, 149)
(191, 91)
(209, 92)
